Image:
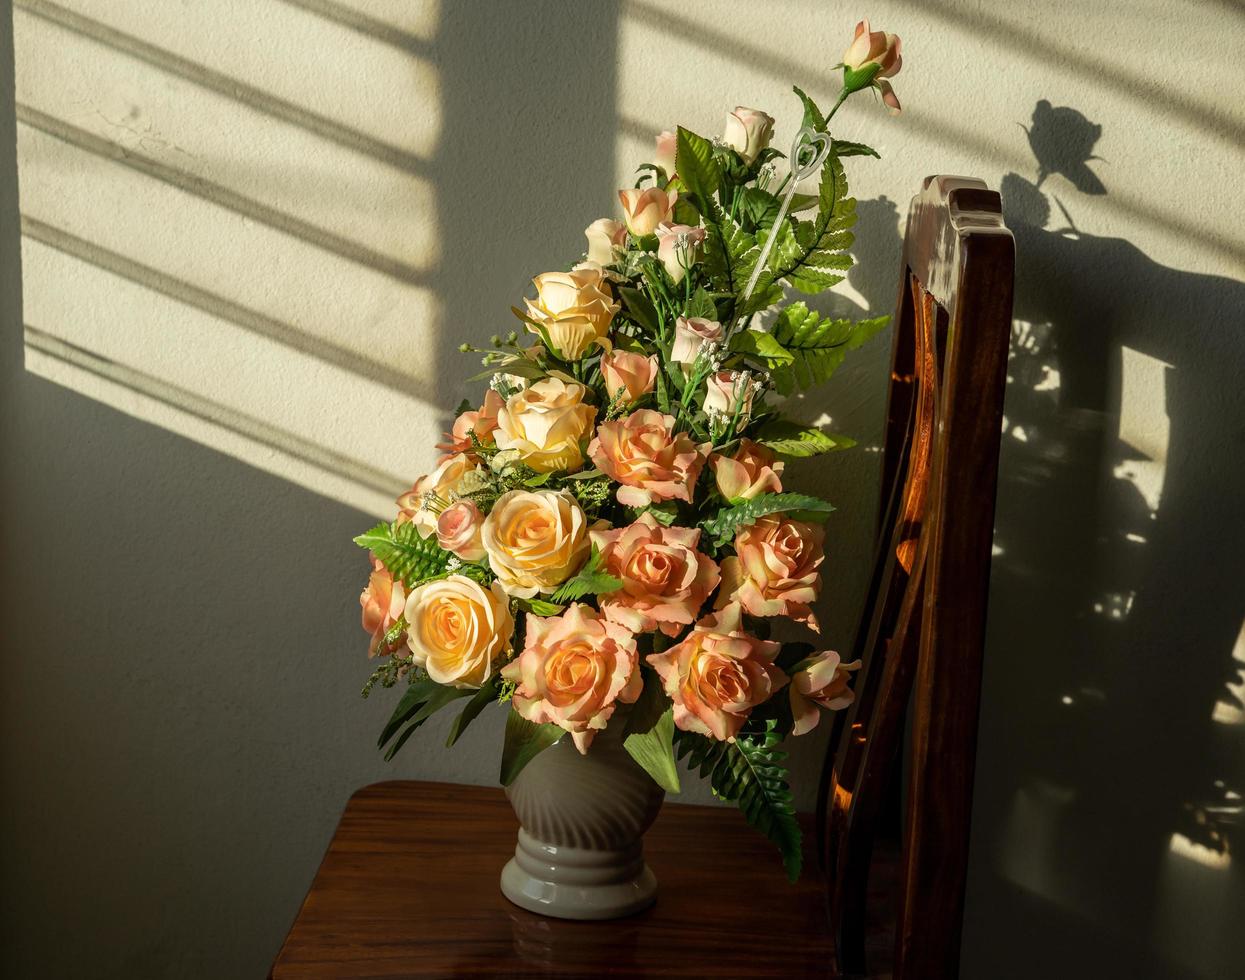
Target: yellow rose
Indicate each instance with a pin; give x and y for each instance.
(457, 628)
(535, 540)
(544, 424)
(574, 309)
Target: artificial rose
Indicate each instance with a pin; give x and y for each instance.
(678, 247)
(748, 132)
(481, 424)
(544, 424)
(573, 308)
(646, 208)
(775, 573)
(717, 675)
(728, 390)
(821, 680)
(751, 472)
(535, 540)
(458, 530)
(603, 236)
(383, 601)
(643, 453)
(457, 629)
(664, 154)
(572, 672)
(665, 580)
(628, 372)
(871, 58)
(691, 333)
(431, 494)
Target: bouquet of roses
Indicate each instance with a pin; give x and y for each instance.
(609, 528)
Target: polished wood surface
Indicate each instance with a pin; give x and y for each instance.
(409, 888)
(923, 626)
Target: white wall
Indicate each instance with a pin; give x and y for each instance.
(253, 234)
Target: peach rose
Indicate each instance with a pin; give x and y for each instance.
(631, 373)
(544, 423)
(573, 670)
(678, 247)
(748, 132)
(775, 573)
(458, 530)
(457, 629)
(717, 675)
(646, 208)
(665, 579)
(574, 309)
(482, 424)
(869, 60)
(431, 494)
(604, 235)
(665, 151)
(727, 391)
(691, 333)
(751, 472)
(535, 540)
(383, 601)
(821, 680)
(643, 453)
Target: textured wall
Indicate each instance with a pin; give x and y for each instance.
(253, 233)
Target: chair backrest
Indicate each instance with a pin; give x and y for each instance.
(922, 631)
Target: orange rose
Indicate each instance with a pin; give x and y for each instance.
(643, 453)
(775, 573)
(665, 579)
(633, 373)
(458, 530)
(481, 424)
(717, 675)
(751, 472)
(573, 670)
(434, 492)
(819, 681)
(646, 208)
(383, 601)
(457, 629)
(870, 59)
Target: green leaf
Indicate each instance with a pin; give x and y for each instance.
(539, 607)
(430, 698)
(639, 307)
(757, 208)
(819, 345)
(800, 506)
(750, 773)
(653, 751)
(665, 513)
(701, 304)
(846, 148)
(793, 440)
(698, 170)
(762, 346)
(591, 474)
(649, 706)
(520, 367)
(590, 580)
(524, 741)
(479, 701)
(408, 557)
(813, 117)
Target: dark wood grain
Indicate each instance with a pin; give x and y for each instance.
(409, 888)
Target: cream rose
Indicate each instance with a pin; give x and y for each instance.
(665, 151)
(574, 309)
(748, 132)
(871, 58)
(665, 579)
(678, 247)
(573, 671)
(458, 530)
(431, 494)
(776, 571)
(646, 208)
(633, 374)
(457, 628)
(643, 453)
(820, 681)
(727, 391)
(604, 235)
(717, 675)
(544, 424)
(690, 335)
(535, 540)
(383, 601)
(751, 472)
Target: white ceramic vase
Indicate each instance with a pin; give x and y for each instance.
(582, 819)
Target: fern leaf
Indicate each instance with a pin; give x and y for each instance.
(722, 527)
(408, 557)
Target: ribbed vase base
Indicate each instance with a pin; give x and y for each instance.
(577, 883)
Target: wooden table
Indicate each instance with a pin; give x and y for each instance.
(409, 888)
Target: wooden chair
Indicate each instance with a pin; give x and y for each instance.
(408, 887)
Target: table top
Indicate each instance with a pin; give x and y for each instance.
(409, 888)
